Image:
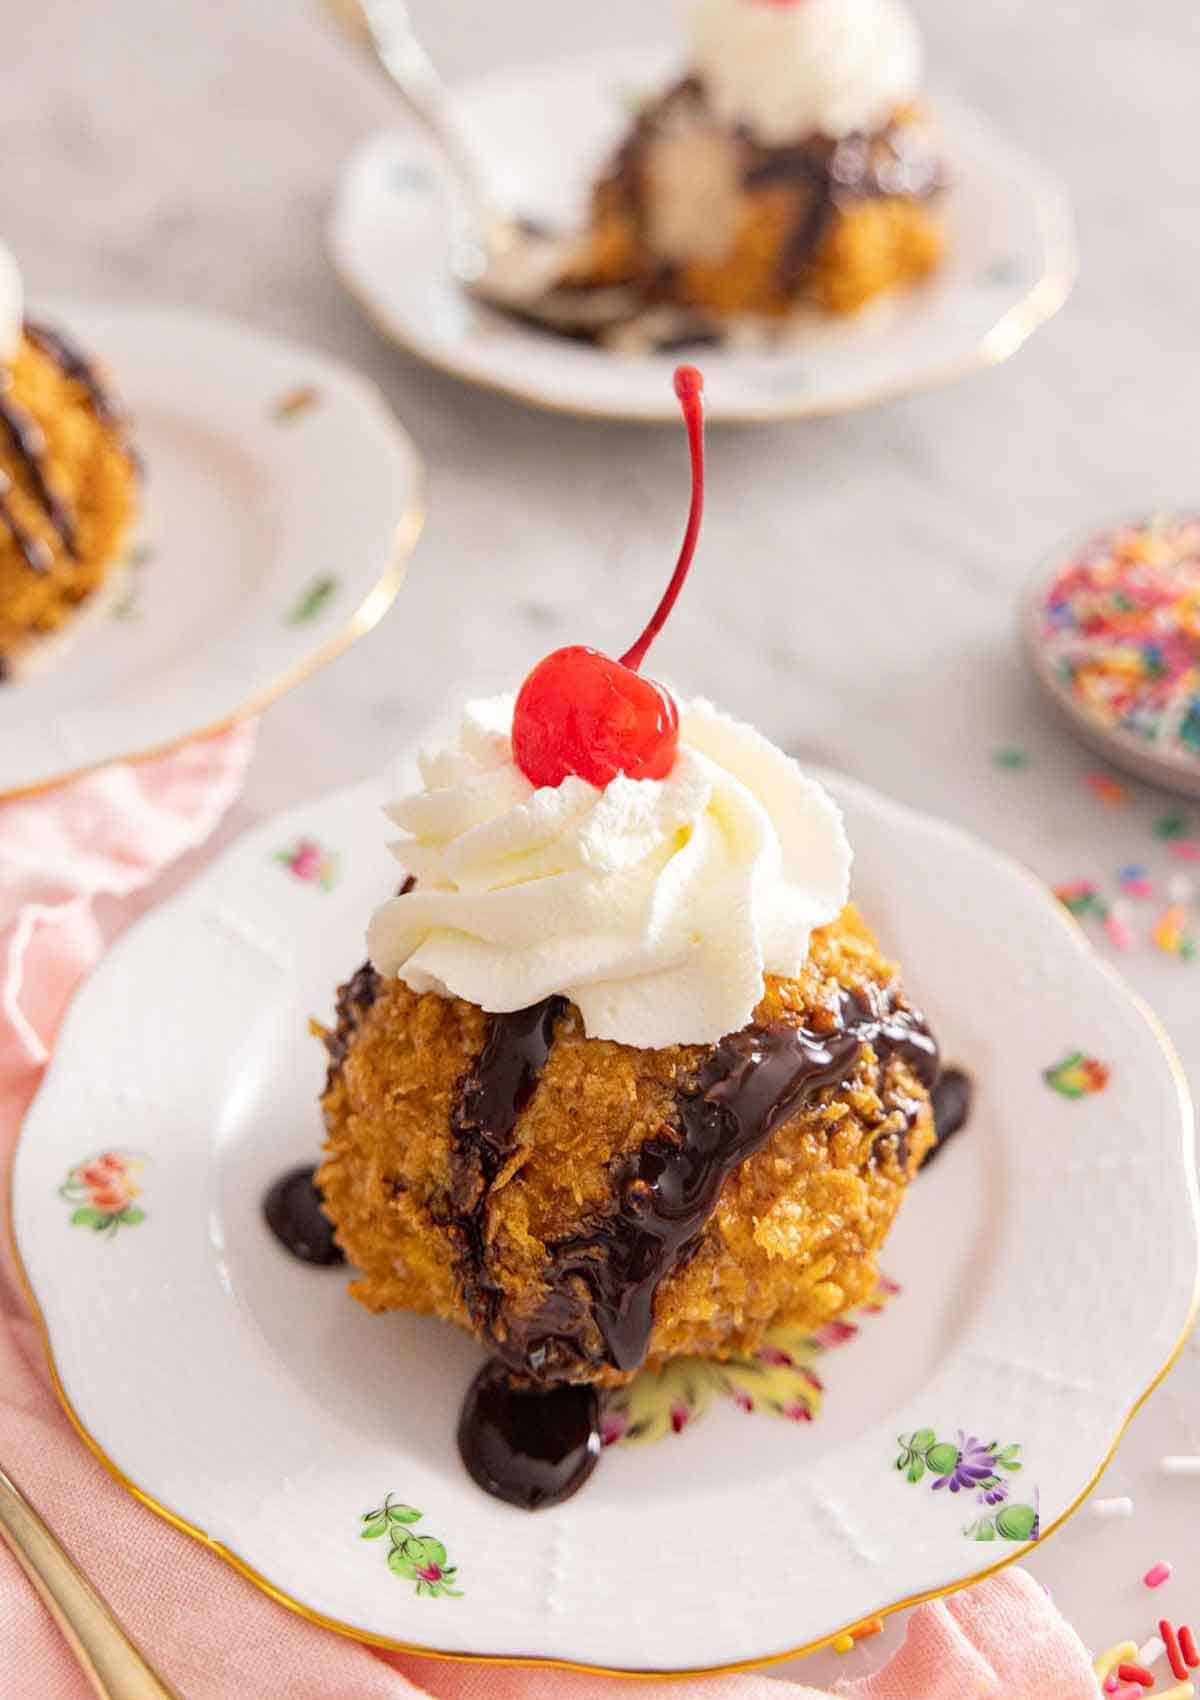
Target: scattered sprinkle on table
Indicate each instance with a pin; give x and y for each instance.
(863, 1631)
(1134, 880)
(1011, 758)
(1187, 1646)
(1181, 1464)
(1120, 623)
(1121, 1506)
(1185, 849)
(1117, 928)
(843, 1643)
(1171, 825)
(1181, 888)
(1108, 1662)
(1171, 1641)
(1077, 1076)
(1107, 790)
(1154, 1578)
(1082, 898)
(1136, 1673)
(1171, 935)
(1153, 1651)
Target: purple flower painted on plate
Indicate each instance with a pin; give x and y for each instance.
(964, 1466)
(976, 1466)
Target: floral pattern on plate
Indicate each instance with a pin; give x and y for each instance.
(103, 1189)
(779, 1380)
(312, 600)
(970, 1465)
(419, 1559)
(309, 861)
(1077, 1076)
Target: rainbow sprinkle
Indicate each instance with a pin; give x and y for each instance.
(1121, 623)
(1077, 1076)
(1117, 929)
(1082, 898)
(1171, 935)
(1107, 790)
(1134, 880)
(1010, 758)
(1172, 825)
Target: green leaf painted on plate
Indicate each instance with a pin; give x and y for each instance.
(312, 600)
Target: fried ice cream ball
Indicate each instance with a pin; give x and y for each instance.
(542, 1238)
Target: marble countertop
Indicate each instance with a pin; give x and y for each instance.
(861, 573)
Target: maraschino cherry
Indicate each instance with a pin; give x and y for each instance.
(581, 712)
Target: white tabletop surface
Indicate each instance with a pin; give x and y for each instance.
(857, 586)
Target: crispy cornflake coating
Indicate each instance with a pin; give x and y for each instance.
(93, 476)
(795, 1233)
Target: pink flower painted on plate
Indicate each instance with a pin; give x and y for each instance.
(103, 1189)
(311, 862)
(779, 1379)
(835, 1334)
(420, 1559)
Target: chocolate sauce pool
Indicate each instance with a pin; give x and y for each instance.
(531, 1446)
(292, 1208)
(952, 1096)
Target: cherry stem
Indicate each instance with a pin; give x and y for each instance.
(689, 387)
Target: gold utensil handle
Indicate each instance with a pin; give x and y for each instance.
(109, 1659)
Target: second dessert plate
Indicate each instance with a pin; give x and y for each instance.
(246, 1397)
(1010, 265)
(282, 500)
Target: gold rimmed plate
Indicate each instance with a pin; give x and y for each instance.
(258, 1408)
(282, 500)
(1010, 265)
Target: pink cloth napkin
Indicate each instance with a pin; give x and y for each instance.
(210, 1632)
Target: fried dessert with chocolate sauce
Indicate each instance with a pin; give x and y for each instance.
(584, 1207)
(626, 1077)
(792, 166)
(68, 478)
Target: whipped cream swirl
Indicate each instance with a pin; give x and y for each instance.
(787, 68)
(656, 906)
(12, 304)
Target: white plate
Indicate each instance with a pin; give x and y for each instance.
(1048, 1262)
(1011, 262)
(272, 536)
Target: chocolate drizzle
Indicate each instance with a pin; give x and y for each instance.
(491, 1097)
(38, 556)
(29, 446)
(72, 363)
(898, 160)
(598, 1309)
(604, 1282)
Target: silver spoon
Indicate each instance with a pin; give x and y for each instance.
(494, 255)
